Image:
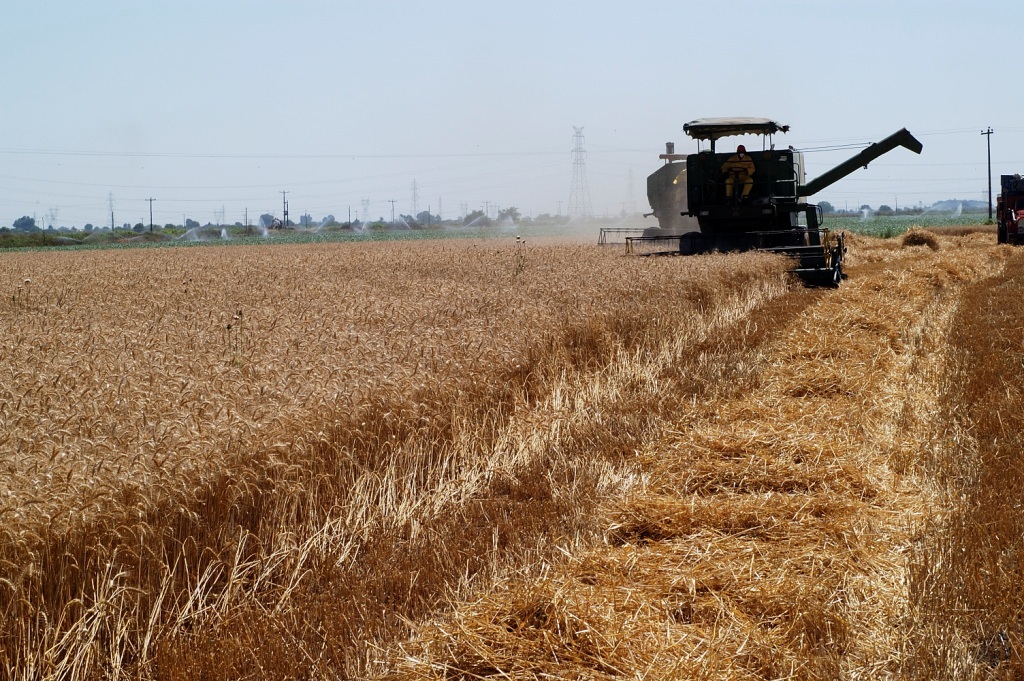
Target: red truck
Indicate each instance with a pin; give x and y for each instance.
(1010, 210)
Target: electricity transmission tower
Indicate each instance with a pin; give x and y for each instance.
(579, 193)
(366, 209)
(415, 198)
(630, 194)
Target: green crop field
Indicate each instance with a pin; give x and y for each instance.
(895, 225)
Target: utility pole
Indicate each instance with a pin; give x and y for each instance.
(110, 204)
(284, 209)
(392, 202)
(151, 213)
(630, 195)
(988, 140)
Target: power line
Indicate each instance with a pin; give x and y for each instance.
(342, 155)
(474, 177)
(159, 154)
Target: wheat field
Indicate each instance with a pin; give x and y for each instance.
(494, 459)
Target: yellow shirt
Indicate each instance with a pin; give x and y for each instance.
(741, 165)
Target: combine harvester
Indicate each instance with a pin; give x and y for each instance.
(754, 200)
(1010, 210)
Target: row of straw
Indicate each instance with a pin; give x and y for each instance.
(769, 527)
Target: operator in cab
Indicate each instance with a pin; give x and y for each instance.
(739, 168)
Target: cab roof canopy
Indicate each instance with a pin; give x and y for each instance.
(714, 128)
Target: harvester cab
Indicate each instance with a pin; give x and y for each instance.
(745, 199)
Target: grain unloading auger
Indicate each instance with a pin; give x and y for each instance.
(752, 200)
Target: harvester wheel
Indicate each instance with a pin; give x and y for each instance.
(1001, 234)
(837, 274)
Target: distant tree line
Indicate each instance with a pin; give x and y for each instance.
(885, 209)
(422, 219)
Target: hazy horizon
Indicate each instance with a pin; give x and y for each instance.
(211, 107)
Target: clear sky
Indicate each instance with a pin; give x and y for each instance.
(217, 105)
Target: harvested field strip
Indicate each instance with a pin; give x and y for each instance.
(530, 492)
(769, 531)
(965, 579)
(278, 484)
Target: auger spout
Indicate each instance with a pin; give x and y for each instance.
(903, 138)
